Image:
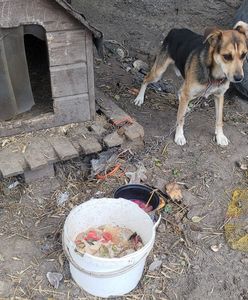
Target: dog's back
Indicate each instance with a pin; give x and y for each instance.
(180, 43)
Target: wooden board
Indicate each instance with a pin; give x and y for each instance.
(66, 47)
(43, 12)
(69, 80)
(90, 74)
(72, 108)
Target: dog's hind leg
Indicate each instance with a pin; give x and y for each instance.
(162, 62)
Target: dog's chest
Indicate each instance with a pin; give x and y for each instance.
(210, 89)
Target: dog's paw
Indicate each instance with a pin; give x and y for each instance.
(221, 139)
(139, 101)
(180, 139)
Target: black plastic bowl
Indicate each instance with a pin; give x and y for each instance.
(137, 192)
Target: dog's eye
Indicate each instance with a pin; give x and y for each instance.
(243, 55)
(228, 57)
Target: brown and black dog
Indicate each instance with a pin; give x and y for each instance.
(207, 63)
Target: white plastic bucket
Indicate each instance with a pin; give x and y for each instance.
(105, 277)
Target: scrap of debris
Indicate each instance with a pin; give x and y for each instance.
(173, 189)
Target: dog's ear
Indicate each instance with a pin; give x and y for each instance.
(242, 27)
(212, 35)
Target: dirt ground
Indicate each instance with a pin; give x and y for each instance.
(31, 221)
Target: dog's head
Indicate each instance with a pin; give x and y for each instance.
(228, 49)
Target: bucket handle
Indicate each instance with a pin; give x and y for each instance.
(155, 226)
(98, 274)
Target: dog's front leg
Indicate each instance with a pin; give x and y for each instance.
(182, 109)
(221, 139)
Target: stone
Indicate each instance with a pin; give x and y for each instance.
(44, 172)
(155, 265)
(140, 65)
(113, 139)
(134, 131)
(90, 145)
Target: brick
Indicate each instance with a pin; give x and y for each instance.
(46, 148)
(63, 147)
(34, 158)
(10, 168)
(98, 129)
(113, 139)
(90, 145)
(134, 131)
(12, 162)
(44, 172)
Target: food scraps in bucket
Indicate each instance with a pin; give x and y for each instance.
(143, 206)
(108, 241)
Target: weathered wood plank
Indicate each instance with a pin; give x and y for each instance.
(72, 108)
(66, 47)
(90, 74)
(43, 12)
(112, 110)
(69, 80)
(63, 147)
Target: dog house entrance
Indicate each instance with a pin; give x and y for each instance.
(25, 88)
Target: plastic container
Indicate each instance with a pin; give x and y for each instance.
(138, 192)
(143, 193)
(105, 277)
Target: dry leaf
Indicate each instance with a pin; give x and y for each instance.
(174, 191)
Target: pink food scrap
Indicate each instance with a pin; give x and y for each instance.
(143, 206)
